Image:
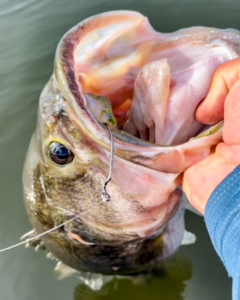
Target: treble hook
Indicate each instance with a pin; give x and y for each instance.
(105, 195)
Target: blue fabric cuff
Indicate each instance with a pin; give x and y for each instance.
(222, 216)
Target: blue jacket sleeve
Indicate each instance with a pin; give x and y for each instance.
(222, 217)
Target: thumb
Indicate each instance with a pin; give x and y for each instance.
(211, 109)
(231, 128)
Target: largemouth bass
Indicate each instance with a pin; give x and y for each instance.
(115, 71)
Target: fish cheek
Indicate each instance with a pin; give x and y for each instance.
(41, 215)
(86, 258)
(42, 219)
(82, 257)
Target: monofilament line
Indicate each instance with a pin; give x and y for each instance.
(105, 195)
(39, 235)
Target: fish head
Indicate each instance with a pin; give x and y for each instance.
(102, 72)
(64, 174)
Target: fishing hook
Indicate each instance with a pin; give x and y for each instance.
(105, 195)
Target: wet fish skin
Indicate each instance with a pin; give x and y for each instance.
(143, 223)
(52, 196)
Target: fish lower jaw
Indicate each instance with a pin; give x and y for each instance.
(135, 231)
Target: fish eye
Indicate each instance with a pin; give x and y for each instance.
(60, 154)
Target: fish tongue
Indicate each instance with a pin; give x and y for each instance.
(164, 104)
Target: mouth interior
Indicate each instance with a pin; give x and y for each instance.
(161, 104)
(154, 90)
(162, 109)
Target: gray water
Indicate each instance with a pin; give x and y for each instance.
(29, 33)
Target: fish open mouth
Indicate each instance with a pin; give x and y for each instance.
(153, 81)
(115, 68)
(162, 104)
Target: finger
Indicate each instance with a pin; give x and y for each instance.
(231, 128)
(211, 109)
(194, 185)
(200, 180)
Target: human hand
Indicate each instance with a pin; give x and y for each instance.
(222, 102)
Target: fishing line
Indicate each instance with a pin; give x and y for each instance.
(105, 195)
(39, 235)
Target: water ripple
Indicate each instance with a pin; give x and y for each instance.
(8, 7)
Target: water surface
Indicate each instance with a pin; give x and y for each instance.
(29, 33)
